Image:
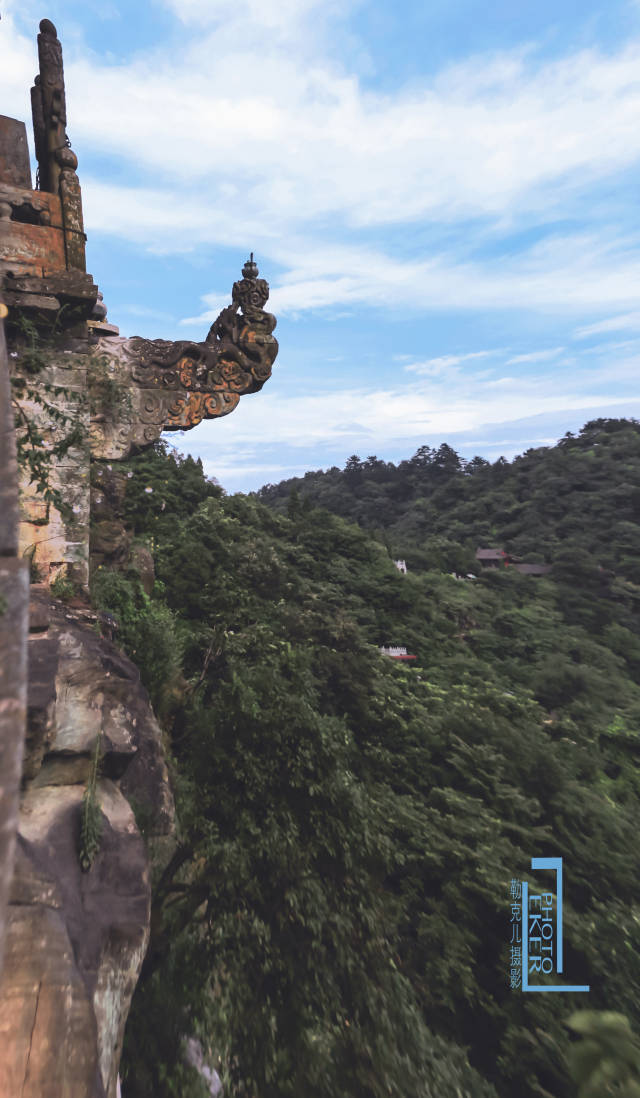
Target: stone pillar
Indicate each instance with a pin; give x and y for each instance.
(49, 107)
(15, 169)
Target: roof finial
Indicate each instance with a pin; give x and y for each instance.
(250, 269)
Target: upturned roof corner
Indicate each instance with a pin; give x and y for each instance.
(43, 268)
(123, 392)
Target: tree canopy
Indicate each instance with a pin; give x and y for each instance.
(335, 918)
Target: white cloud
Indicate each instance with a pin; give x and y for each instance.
(562, 274)
(435, 367)
(252, 127)
(428, 407)
(629, 321)
(610, 347)
(272, 16)
(256, 131)
(239, 139)
(536, 356)
(283, 432)
(230, 471)
(18, 68)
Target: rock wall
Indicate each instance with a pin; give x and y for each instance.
(76, 940)
(14, 581)
(58, 544)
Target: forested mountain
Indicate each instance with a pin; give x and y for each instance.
(582, 494)
(336, 918)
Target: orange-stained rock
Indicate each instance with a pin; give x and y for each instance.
(48, 1033)
(76, 940)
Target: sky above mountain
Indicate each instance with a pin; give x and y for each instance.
(442, 194)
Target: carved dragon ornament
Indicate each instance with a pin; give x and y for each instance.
(173, 386)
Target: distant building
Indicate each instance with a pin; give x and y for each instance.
(497, 558)
(396, 652)
(491, 558)
(401, 565)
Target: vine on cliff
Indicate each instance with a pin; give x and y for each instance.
(35, 454)
(91, 815)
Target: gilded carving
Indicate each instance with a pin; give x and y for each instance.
(190, 409)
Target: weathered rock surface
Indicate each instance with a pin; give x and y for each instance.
(59, 544)
(14, 582)
(76, 941)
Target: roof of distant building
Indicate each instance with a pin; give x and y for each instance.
(396, 652)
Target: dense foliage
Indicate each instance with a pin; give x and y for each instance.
(335, 918)
(583, 493)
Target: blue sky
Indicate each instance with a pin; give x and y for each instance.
(442, 195)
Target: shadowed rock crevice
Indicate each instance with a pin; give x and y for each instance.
(33, 1027)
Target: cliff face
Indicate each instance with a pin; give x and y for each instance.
(84, 398)
(14, 584)
(76, 940)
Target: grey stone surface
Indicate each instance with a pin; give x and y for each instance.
(15, 168)
(14, 601)
(13, 702)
